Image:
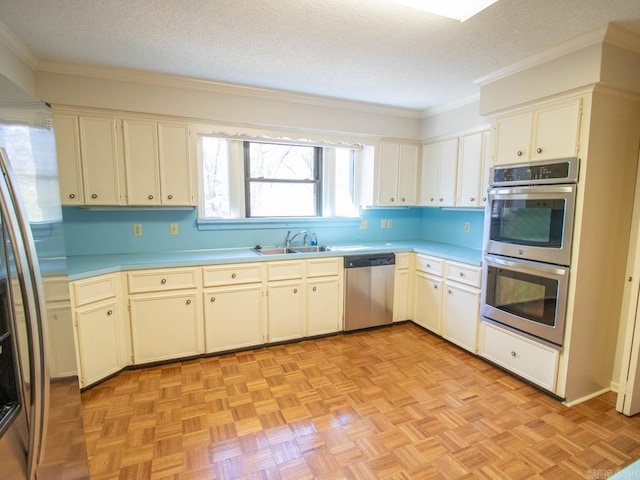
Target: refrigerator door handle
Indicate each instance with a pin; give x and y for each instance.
(30, 281)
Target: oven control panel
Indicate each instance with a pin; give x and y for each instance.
(546, 172)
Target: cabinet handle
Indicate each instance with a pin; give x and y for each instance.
(431, 199)
(213, 299)
(484, 199)
(519, 153)
(449, 291)
(295, 290)
(514, 354)
(539, 150)
(472, 199)
(150, 197)
(393, 199)
(233, 275)
(72, 195)
(109, 312)
(163, 281)
(435, 287)
(188, 302)
(170, 197)
(315, 288)
(404, 199)
(94, 196)
(439, 199)
(461, 274)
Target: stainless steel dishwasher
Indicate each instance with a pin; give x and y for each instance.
(368, 290)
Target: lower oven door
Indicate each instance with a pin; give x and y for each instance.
(527, 296)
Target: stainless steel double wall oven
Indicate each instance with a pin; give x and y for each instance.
(528, 237)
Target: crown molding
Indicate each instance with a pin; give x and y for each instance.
(13, 43)
(440, 109)
(190, 83)
(573, 45)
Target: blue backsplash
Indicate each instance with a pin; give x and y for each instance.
(89, 231)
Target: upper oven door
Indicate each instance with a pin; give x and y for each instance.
(532, 223)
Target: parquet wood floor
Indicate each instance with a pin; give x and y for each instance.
(393, 403)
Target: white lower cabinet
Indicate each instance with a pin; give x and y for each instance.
(401, 288)
(460, 310)
(98, 339)
(531, 360)
(165, 326)
(233, 317)
(428, 302)
(286, 310)
(324, 306)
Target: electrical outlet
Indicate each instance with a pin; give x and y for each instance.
(390, 223)
(137, 229)
(467, 227)
(173, 228)
(383, 223)
(364, 224)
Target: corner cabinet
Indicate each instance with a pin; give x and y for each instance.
(120, 160)
(550, 130)
(396, 169)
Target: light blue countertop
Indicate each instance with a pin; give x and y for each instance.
(82, 266)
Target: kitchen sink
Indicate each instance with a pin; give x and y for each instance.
(311, 248)
(288, 250)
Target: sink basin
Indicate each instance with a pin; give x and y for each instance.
(273, 250)
(311, 248)
(288, 250)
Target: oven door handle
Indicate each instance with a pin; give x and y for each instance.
(528, 267)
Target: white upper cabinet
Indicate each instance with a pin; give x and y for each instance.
(439, 174)
(100, 156)
(109, 160)
(396, 174)
(470, 171)
(69, 164)
(549, 131)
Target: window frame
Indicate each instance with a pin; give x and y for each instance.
(317, 181)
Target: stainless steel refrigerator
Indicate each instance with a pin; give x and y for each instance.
(41, 429)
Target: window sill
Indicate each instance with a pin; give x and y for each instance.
(274, 223)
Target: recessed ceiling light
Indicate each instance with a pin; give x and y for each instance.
(456, 9)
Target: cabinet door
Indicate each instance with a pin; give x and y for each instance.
(175, 165)
(460, 315)
(165, 326)
(431, 154)
(512, 139)
(401, 295)
(286, 312)
(69, 160)
(407, 175)
(324, 306)
(487, 152)
(233, 317)
(557, 130)
(447, 175)
(99, 151)
(98, 342)
(141, 161)
(387, 173)
(470, 170)
(428, 303)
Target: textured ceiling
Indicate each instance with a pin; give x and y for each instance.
(364, 50)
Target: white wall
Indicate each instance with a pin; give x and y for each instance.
(454, 121)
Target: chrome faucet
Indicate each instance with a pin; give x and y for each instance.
(288, 239)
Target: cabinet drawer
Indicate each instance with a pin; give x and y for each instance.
(232, 274)
(324, 267)
(160, 280)
(284, 270)
(531, 360)
(428, 264)
(94, 289)
(56, 289)
(462, 273)
(402, 261)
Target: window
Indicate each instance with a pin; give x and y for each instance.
(282, 180)
(255, 179)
